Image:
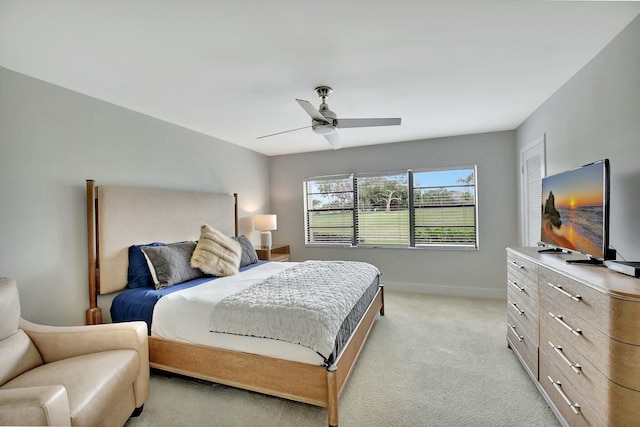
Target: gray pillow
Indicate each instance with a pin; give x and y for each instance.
(169, 265)
(249, 255)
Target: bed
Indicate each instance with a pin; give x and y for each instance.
(118, 217)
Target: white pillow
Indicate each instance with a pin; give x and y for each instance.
(216, 253)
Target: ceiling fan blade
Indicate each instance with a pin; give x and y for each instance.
(334, 140)
(359, 123)
(310, 109)
(279, 133)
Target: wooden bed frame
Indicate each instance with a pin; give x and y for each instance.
(312, 384)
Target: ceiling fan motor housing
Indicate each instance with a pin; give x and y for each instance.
(328, 127)
(324, 110)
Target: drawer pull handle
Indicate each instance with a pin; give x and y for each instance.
(520, 266)
(515, 332)
(514, 284)
(558, 386)
(576, 368)
(565, 293)
(515, 307)
(563, 323)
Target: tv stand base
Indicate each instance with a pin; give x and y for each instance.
(555, 250)
(585, 261)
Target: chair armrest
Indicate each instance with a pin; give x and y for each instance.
(35, 406)
(62, 342)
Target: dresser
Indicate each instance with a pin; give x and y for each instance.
(576, 330)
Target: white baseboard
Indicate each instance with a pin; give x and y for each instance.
(458, 291)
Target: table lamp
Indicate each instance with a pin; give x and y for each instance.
(265, 223)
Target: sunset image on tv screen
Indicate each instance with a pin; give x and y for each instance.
(573, 206)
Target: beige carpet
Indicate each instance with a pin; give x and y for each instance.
(431, 361)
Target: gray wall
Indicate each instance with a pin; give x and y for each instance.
(456, 272)
(596, 115)
(51, 140)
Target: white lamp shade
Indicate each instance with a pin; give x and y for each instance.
(266, 222)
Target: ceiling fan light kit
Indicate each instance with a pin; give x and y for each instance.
(322, 128)
(325, 122)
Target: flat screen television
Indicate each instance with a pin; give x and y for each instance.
(575, 211)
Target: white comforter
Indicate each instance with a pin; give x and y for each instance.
(305, 304)
(185, 316)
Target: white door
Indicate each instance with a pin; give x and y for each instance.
(533, 167)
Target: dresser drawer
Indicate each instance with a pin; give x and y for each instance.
(613, 403)
(618, 361)
(564, 396)
(522, 310)
(522, 276)
(573, 329)
(572, 364)
(523, 344)
(611, 315)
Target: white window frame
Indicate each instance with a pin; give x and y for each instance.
(359, 241)
(307, 210)
(355, 242)
(455, 245)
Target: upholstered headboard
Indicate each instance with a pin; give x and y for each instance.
(118, 217)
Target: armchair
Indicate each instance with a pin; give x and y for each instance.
(70, 375)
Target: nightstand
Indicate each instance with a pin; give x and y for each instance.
(276, 253)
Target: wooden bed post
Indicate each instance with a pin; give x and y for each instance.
(235, 207)
(332, 396)
(94, 313)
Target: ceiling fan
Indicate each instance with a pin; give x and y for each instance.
(324, 121)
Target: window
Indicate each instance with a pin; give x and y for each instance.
(382, 216)
(423, 208)
(329, 210)
(444, 208)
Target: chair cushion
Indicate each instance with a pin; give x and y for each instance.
(94, 382)
(18, 354)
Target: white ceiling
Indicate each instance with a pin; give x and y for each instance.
(232, 69)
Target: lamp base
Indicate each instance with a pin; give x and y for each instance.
(265, 239)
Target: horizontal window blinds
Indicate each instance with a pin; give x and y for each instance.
(444, 207)
(382, 216)
(424, 208)
(329, 207)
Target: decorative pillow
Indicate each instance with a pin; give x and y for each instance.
(249, 255)
(169, 264)
(216, 253)
(138, 275)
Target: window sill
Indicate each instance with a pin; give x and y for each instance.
(419, 248)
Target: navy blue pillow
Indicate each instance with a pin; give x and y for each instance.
(138, 275)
